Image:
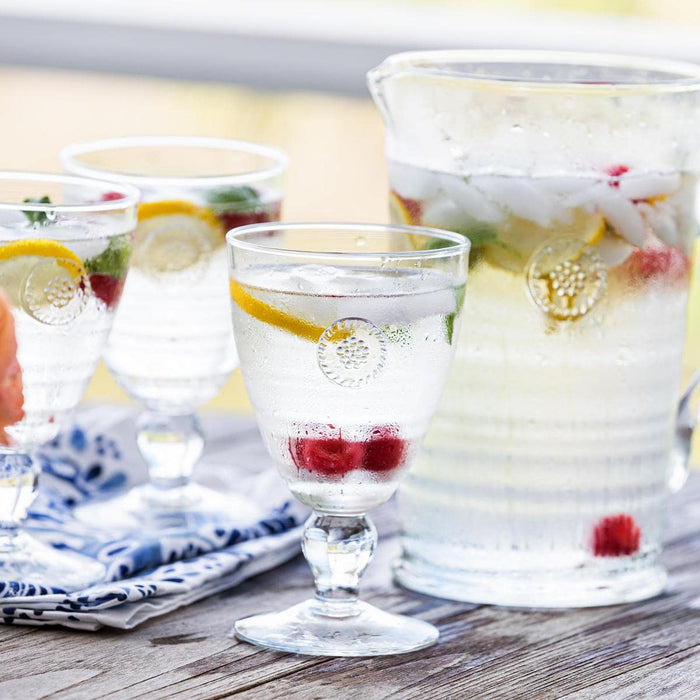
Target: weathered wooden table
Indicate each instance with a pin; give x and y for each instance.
(649, 649)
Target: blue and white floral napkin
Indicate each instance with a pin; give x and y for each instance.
(148, 575)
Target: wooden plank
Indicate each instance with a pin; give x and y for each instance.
(502, 653)
(512, 654)
(484, 651)
(671, 677)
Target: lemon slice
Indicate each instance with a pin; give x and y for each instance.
(269, 314)
(45, 279)
(517, 239)
(174, 235)
(399, 210)
(38, 247)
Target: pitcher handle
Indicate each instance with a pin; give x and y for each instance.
(686, 421)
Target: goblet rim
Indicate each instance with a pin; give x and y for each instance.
(70, 154)
(457, 243)
(130, 195)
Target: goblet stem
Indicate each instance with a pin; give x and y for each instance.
(23, 559)
(338, 550)
(19, 475)
(335, 622)
(171, 446)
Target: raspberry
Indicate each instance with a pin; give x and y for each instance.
(385, 450)
(107, 288)
(615, 171)
(616, 536)
(646, 264)
(111, 196)
(234, 219)
(412, 209)
(329, 456)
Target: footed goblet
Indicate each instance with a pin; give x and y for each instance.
(345, 335)
(172, 346)
(65, 244)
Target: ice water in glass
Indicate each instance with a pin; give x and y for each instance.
(65, 245)
(345, 334)
(172, 346)
(340, 449)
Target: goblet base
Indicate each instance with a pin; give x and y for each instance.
(367, 632)
(148, 508)
(26, 559)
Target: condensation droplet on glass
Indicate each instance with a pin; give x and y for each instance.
(51, 215)
(360, 241)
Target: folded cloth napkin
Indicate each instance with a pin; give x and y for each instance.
(149, 575)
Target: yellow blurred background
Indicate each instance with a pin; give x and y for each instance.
(674, 10)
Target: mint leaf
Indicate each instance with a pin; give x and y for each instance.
(37, 217)
(243, 198)
(437, 243)
(451, 318)
(113, 261)
(480, 234)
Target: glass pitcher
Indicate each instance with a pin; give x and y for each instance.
(545, 476)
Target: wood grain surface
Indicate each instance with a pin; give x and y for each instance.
(642, 650)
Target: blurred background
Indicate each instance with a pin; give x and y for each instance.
(285, 72)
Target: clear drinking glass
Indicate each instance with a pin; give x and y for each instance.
(172, 346)
(65, 244)
(345, 334)
(544, 478)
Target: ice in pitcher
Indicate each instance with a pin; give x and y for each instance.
(551, 448)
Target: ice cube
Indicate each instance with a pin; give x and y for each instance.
(613, 250)
(81, 238)
(520, 196)
(648, 185)
(660, 218)
(624, 217)
(472, 201)
(413, 183)
(12, 218)
(445, 213)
